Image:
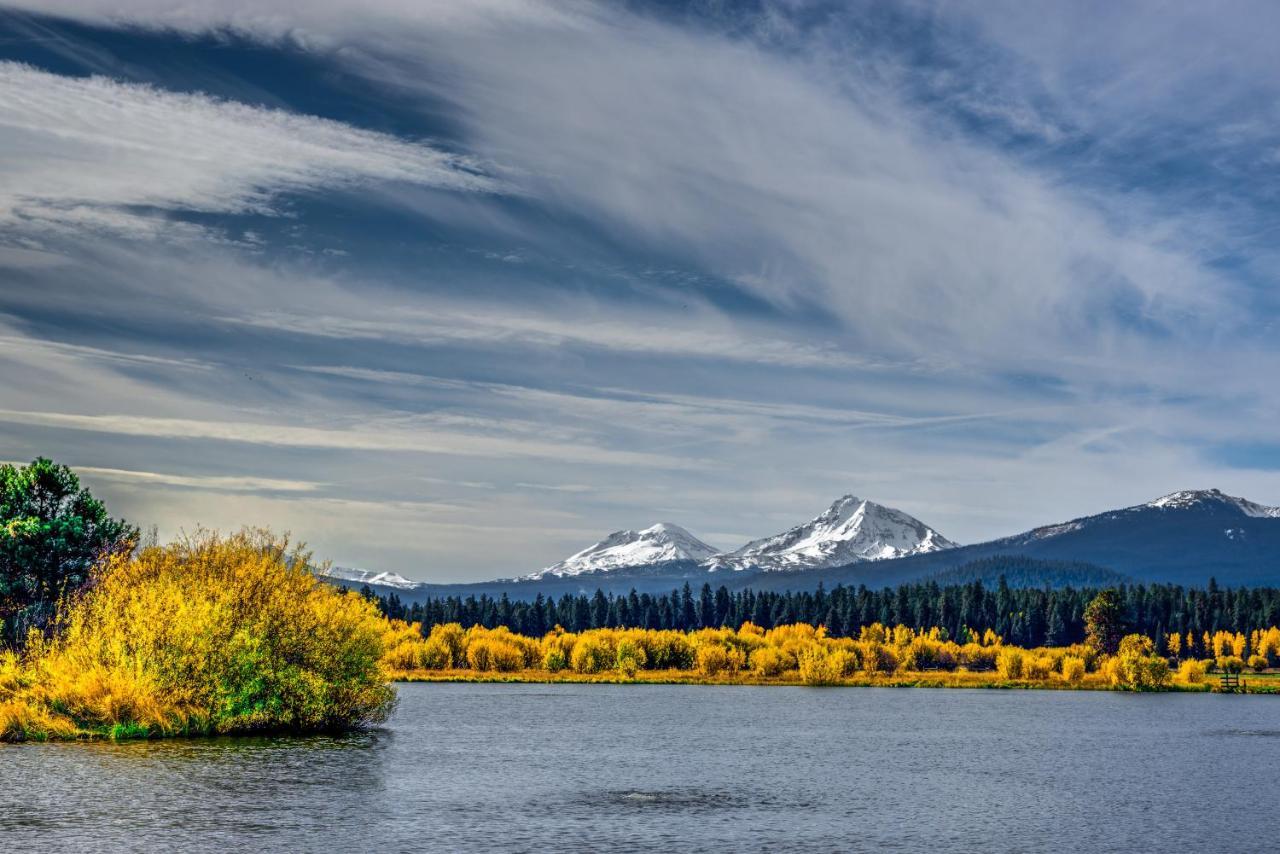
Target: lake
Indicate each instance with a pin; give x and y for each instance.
(475, 767)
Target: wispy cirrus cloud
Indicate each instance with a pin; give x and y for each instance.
(170, 152)
(405, 433)
(708, 336)
(214, 483)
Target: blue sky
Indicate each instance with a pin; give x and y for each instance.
(455, 289)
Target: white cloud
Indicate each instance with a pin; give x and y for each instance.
(88, 154)
(705, 335)
(215, 483)
(391, 433)
(319, 23)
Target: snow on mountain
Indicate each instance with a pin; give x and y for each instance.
(1206, 500)
(1207, 497)
(661, 543)
(850, 531)
(1177, 509)
(367, 576)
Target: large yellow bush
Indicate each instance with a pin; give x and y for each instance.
(209, 635)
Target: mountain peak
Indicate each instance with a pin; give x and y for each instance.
(1190, 498)
(851, 530)
(663, 542)
(669, 528)
(367, 576)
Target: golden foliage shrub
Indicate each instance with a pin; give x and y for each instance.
(452, 638)
(977, 657)
(846, 661)
(209, 635)
(1037, 667)
(874, 633)
(713, 659)
(592, 653)
(1073, 669)
(1135, 667)
(818, 666)
(1268, 644)
(631, 656)
(769, 661)
(435, 655)
(500, 649)
(405, 647)
(1191, 672)
(665, 649)
(876, 658)
(484, 654)
(1009, 663)
(557, 650)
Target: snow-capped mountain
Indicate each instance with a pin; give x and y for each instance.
(1184, 537)
(367, 576)
(1208, 497)
(852, 530)
(661, 543)
(1183, 508)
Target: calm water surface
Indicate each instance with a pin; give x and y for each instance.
(689, 768)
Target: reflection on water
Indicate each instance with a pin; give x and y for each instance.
(590, 767)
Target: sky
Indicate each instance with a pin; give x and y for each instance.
(454, 289)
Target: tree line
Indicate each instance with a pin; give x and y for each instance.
(1026, 617)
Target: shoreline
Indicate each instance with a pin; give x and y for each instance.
(991, 681)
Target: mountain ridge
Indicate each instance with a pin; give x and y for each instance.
(1183, 537)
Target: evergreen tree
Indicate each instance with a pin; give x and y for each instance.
(1103, 625)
